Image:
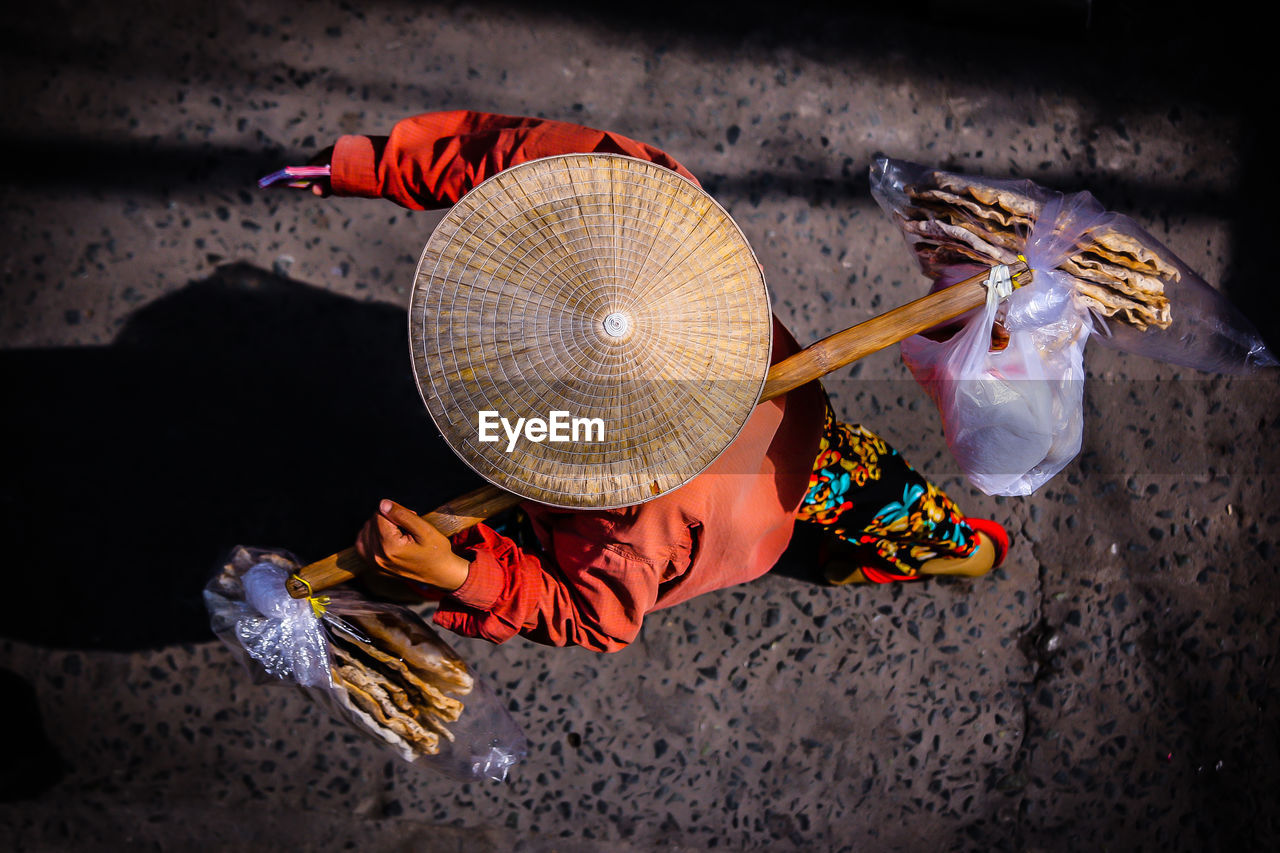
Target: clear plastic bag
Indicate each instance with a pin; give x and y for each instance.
(1207, 332)
(375, 665)
(1013, 419)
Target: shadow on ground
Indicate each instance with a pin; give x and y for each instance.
(32, 764)
(1118, 58)
(243, 409)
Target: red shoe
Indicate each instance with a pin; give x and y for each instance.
(995, 533)
(841, 562)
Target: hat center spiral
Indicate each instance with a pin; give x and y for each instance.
(616, 324)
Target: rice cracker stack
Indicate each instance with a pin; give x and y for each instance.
(952, 219)
(377, 666)
(402, 684)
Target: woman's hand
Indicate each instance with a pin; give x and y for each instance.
(322, 187)
(400, 542)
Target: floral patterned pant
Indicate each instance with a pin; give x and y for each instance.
(862, 491)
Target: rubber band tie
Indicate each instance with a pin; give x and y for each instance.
(1016, 283)
(319, 603)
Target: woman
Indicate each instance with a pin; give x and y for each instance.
(593, 575)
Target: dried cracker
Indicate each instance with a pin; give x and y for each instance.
(369, 696)
(942, 199)
(1108, 302)
(987, 229)
(1126, 280)
(945, 254)
(991, 196)
(960, 220)
(448, 708)
(938, 230)
(1123, 248)
(422, 651)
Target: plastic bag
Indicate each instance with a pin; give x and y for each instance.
(1207, 332)
(375, 665)
(1013, 419)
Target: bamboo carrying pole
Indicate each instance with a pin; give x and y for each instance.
(811, 363)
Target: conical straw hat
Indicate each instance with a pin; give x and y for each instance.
(605, 288)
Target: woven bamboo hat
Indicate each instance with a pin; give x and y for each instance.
(608, 302)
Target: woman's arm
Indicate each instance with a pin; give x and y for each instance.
(430, 161)
(590, 591)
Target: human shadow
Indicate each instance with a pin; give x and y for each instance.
(32, 762)
(245, 408)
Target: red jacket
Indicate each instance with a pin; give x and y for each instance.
(602, 570)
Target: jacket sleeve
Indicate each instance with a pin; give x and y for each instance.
(583, 593)
(430, 161)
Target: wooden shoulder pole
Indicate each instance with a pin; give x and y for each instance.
(880, 332)
(811, 363)
(457, 515)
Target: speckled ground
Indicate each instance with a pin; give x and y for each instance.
(192, 363)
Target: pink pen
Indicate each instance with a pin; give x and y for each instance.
(297, 176)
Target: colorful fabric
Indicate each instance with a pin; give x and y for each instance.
(862, 491)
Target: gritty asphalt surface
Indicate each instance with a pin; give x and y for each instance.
(192, 364)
